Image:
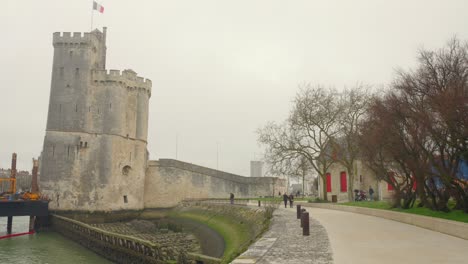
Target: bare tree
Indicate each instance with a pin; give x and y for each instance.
(308, 132)
(353, 106)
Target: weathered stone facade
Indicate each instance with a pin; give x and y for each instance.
(170, 181)
(95, 155)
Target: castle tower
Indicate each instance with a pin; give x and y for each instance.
(94, 155)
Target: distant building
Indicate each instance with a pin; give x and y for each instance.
(256, 168)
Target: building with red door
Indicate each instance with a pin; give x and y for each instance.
(337, 183)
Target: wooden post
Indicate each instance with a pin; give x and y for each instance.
(9, 224)
(302, 212)
(305, 224)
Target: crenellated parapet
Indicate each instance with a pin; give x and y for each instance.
(76, 38)
(127, 78)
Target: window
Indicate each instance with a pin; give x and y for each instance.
(343, 182)
(125, 199)
(329, 189)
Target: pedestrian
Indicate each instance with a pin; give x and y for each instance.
(371, 193)
(291, 200)
(231, 198)
(285, 199)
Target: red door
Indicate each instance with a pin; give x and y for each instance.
(328, 182)
(343, 182)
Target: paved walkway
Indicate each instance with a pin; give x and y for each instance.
(354, 239)
(284, 243)
(363, 239)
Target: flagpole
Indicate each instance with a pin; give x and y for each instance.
(92, 15)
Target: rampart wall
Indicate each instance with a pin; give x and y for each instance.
(169, 182)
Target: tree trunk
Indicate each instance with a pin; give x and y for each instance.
(324, 186)
(351, 184)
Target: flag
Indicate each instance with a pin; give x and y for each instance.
(98, 7)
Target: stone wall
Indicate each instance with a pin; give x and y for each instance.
(94, 155)
(120, 248)
(169, 182)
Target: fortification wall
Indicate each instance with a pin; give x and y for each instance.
(168, 182)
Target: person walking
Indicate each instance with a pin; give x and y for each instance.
(371, 193)
(285, 199)
(291, 200)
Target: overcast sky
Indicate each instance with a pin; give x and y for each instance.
(220, 69)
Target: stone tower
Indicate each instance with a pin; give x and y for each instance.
(94, 155)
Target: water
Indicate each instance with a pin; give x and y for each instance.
(41, 248)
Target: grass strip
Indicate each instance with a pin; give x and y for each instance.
(235, 234)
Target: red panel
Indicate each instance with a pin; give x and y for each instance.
(391, 176)
(328, 182)
(343, 181)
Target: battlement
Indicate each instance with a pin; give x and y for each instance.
(127, 77)
(76, 38)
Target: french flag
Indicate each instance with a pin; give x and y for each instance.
(98, 7)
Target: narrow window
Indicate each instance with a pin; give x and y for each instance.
(77, 72)
(68, 151)
(76, 108)
(89, 109)
(71, 53)
(81, 144)
(61, 72)
(53, 150)
(343, 182)
(86, 144)
(125, 199)
(329, 188)
(110, 106)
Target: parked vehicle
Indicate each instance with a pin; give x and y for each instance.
(360, 195)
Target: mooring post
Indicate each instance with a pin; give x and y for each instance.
(302, 212)
(32, 223)
(305, 224)
(298, 211)
(9, 224)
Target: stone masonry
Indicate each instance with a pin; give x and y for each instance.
(95, 156)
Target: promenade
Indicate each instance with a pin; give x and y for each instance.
(285, 244)
(363, 239)
(345, 238)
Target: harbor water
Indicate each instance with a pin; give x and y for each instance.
(41, 248)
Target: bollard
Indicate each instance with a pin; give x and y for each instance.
(259, 203)
(298, 207)
(305, 224)
(302, 212)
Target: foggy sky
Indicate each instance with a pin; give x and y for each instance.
(220, 69)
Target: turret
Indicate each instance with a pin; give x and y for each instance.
(94, 154)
